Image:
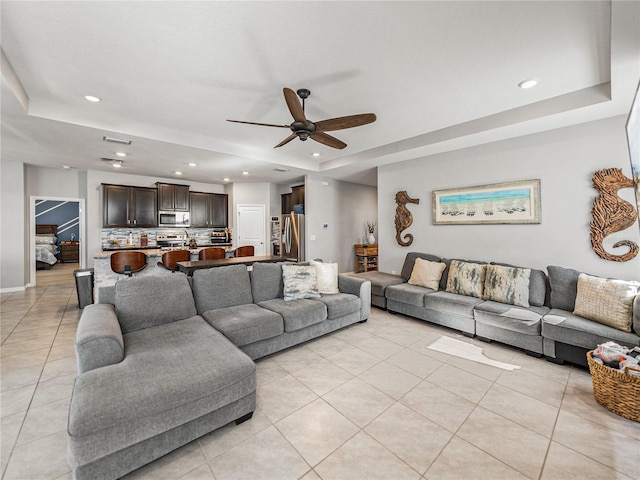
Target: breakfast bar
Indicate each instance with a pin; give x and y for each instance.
(190, 267)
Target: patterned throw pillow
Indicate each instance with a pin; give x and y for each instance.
(507, 285)
(426, 274)
(466, 278)
(606, 301)
(300, 281)
(327, 277)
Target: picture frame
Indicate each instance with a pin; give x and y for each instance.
(498, 203)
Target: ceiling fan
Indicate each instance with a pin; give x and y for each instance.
(304, 129)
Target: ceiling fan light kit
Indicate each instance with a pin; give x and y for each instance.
(305, 129)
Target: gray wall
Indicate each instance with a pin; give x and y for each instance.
(564, 160)
(345, 208)
(13, 227)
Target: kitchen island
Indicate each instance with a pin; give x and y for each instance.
(105, 277)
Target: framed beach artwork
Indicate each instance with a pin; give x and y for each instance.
(512, 202)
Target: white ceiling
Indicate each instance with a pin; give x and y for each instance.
(438, 75)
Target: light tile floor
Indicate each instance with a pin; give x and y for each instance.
(368, 402)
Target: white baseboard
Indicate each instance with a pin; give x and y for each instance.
(13, 289)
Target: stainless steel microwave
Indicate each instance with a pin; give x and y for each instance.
(173, 219)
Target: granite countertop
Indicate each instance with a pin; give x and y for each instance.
(154, 251)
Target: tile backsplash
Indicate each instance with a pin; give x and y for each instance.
(113, 237)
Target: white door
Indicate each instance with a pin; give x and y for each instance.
(251, 227)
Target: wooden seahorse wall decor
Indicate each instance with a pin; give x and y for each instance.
(404, 219)
(611, 213)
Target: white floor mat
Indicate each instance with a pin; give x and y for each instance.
(466, 350)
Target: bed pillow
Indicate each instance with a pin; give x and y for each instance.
(326, 277)
(466, 278)
(426, 274)
(606, 301)
(507, 285)
(300, 281)
(46, 239)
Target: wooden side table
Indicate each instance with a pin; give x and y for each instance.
(69, 252)
(366, 257)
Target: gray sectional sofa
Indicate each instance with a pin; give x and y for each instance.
(546, 327)
(169, 359)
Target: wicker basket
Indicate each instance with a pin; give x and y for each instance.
(617, 391)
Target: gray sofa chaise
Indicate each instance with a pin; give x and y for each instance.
(546, 327)
(169, 360)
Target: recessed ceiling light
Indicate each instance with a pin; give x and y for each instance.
(117, 164)
(121, 154)
(245, 173)
(225, 179)
(315, 154)
(178, 172)
(191, 164)
(529, 83)
(66, 167)
(91, 98)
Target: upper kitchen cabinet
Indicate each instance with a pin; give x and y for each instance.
(288, 200)
(209, 209)
(173, 197)
(125, 206)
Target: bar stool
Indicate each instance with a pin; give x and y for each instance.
(244, 251)
(128, 262)
(213, 253)
(171, 258)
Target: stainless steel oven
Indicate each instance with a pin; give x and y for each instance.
(173, 219)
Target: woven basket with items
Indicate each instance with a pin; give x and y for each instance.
(617, 390)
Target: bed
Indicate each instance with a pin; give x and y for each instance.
(46, 246)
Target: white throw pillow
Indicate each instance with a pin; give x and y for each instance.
(299, 281)
(426, 274)
(327, 277)
(606, 301)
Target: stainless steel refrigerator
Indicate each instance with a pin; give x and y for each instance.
(292, 228)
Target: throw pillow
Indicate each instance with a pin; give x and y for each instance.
(507, 285)
(466, 278)
(327, 277)
(606, 301)
(300, 281)
(426, 274)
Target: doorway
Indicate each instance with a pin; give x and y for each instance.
(251, 227)
(68, 215)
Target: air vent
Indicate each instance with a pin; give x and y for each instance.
(116, 140)
(115, 162)
(280, 169)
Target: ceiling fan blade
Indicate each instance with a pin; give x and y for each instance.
(294, 105)
(327, 140)
(286, 140)
(349, 121)
(262, 124)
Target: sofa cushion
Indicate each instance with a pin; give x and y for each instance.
(507, 285)
(538, 285)
(509, 317)
(606, 301)
(447, 302)
(409, 261)
(143, 302)
(299, 282)
(266, 281)
(297, 314)
(466, 278)
(171, 374)
(340, 304)
(426, 273)
(326, 277)
(564, 287)
(563, 326)
(380, 281)
(221, 287)
(405, 293)
(245, 324)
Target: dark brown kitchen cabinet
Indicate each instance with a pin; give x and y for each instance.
(125, 206)
(288, 200)
(173, 197)
(209, 209)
